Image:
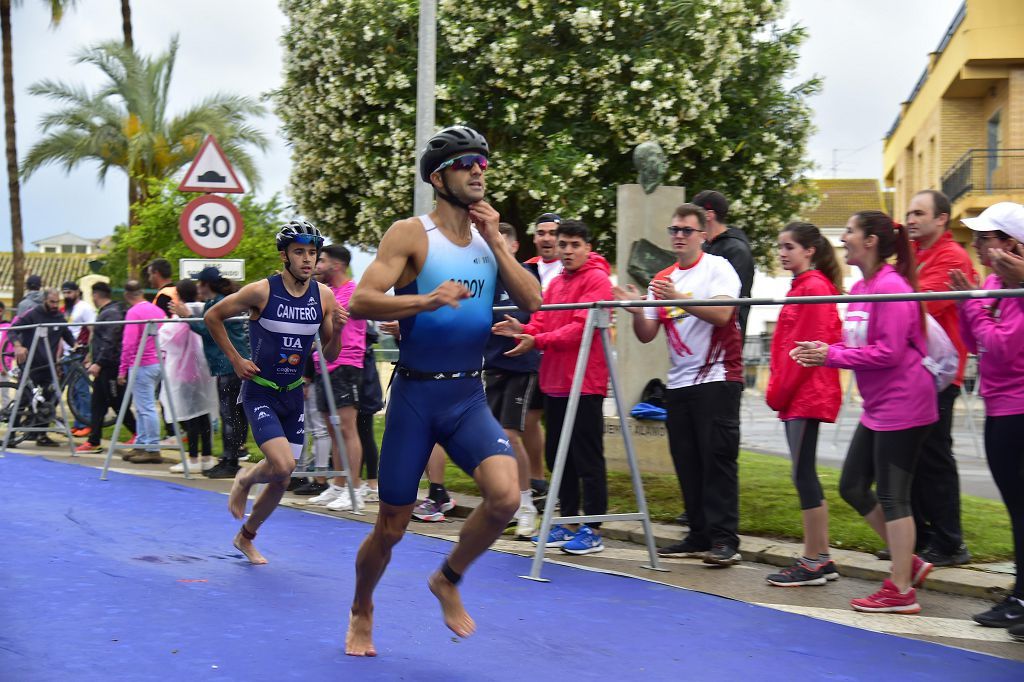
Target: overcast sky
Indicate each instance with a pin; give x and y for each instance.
(870, 53)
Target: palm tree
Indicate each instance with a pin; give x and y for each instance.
(57, 8)
(126, 23)
(125, 124)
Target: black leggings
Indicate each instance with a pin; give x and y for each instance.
(885, 457)
(1005, 453)
(802, 435)
(198, 428)
(364, 425)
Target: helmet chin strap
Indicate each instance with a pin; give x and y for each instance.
(450, 196)
(288, 267)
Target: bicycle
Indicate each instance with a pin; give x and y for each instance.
(40, 409)
(37, 409)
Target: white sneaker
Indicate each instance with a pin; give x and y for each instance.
(344, 502)
(169, 442)
(179, 468)
(526, 522)
(368, 494)
(208, 463)
(332, 493)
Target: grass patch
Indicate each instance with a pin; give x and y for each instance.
(769, 507)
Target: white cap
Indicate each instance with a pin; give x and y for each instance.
(1005, 216)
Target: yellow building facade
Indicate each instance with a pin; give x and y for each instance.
(962, 128)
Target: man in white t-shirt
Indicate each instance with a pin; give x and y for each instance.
(78, 313)
(549, 265)
(703, 388)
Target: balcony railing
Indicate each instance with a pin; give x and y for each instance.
(985, 171)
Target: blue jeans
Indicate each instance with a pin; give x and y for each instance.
(82, 399)
(146, 379)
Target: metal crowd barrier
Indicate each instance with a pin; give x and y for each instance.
(151, 327)
(598, 317)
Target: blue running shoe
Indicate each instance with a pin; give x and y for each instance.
(586, 541)
(557, 537)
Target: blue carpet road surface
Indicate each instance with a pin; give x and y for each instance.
(136, 579)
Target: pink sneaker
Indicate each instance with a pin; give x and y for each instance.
(919, 570)
(888, 600)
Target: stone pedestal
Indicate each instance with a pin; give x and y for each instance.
(640, 216)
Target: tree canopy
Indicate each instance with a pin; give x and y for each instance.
(563, 90)
(125, 124)
(157, 233)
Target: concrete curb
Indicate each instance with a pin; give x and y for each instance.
(967, 582)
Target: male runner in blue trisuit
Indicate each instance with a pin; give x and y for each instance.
(285, 313)
(443, 267)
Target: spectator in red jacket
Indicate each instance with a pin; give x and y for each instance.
(935, 497)
(806, 396)
(558, 333)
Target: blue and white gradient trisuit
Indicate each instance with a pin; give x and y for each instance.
(281, 340)
(451, 412)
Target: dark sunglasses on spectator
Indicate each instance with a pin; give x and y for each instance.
(464, 162)
(685, 231)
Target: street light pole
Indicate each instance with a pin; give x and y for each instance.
(423, 195)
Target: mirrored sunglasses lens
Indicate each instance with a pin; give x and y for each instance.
(467, 162)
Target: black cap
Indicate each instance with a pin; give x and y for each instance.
(710, 200)
(209, 274)
(34, 282)
(548, 218)
(69, 286)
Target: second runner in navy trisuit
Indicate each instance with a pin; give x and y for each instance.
(443, 267)
(286, 311)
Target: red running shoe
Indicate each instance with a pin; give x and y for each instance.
(919, 570)
(888, 600)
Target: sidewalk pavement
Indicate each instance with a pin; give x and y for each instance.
(983, 581)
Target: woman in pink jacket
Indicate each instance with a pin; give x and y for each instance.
(806, 396)
(884, 344)
(994, 329)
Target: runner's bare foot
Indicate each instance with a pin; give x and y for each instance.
(245, 546)
(238, 496)
(359, 638)
(455, 616)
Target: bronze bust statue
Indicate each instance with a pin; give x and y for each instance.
(651, 164)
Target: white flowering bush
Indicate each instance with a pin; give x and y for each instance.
(563, 91)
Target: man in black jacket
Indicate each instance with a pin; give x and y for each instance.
(105, 348)
(39, 371)
(730, 243)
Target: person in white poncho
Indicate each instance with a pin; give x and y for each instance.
(189, 384)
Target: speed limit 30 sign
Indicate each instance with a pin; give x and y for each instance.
(211, 226)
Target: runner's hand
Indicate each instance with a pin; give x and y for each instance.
(486, 220)
(20, 353)
(510, 326)
(340, 317)
(447, 293)
(246, 369)
(390, 328)
(526, 344)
